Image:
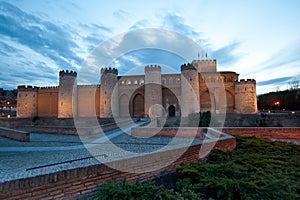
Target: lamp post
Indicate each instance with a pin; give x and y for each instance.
(9, 109)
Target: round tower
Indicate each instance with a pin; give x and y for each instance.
(109, 93)
(190, 102)
(245, 96)
(153, 91)
(27, 101)
(67, 94)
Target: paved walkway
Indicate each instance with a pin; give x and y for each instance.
(48, 153)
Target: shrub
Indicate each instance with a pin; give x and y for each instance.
(202, 119)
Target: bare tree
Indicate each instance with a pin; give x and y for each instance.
(294, 84)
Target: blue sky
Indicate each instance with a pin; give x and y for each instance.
(257, 39)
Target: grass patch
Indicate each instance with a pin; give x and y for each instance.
(256, 169)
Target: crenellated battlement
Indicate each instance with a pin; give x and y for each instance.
(49, 87)
(246, 81)
(67, 73)
(109, 70)
(206, 62)
(152, 68)
(88, 86)
(188, 66)
(27, 88)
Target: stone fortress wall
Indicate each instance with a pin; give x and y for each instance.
(199, 87)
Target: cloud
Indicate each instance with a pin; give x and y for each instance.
(121, 14)
(276, 81)
(33, 49)
(225, 55)
(140, 24)
(177, 23)
(285, 56)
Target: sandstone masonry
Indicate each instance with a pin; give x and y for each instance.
(199, 87)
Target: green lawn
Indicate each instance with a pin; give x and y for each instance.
(257, 169)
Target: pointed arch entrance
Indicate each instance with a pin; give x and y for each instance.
(171, 111)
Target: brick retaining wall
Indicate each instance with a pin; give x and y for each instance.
(168, 132)
(265, 132)
(69, 184)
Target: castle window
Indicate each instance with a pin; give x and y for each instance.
(177, 80)
(104, 92)
(33, 95)
(25, 95)
(104, 102)
(33, 105)
(61, 103)
(245, 89)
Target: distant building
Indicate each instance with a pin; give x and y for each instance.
(8, 102)
(196, 88)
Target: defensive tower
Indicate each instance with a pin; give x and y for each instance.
(245, 96)
(153, 91)
(27, 101)
(109, 91)
(67, 94)
(190, 101)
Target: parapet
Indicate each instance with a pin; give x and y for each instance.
(67, 73)
(109, 70)
(188, 66)
(246, 81)
(206, 61)
(28, 88)
(152, 68)
(88, 86)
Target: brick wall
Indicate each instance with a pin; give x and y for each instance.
(267, 132)
(69, 184)
(169, 132)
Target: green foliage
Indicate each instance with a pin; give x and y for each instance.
(257, 169)
(136, 191)
(202, 119)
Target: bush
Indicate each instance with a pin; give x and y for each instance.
(202, 119)
(257, 169)
(126, 191)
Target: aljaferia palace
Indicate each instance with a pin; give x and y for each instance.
(198, 87)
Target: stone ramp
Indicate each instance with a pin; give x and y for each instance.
(14, 134)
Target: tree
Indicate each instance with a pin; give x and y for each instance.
(294, 84)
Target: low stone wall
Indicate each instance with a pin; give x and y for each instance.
(167, 132)
(69, 184)
(82, 130)
(266, 132)
(15, 134)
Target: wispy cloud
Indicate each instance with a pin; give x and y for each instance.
(121, 14)
(225, 55)
(140, 24)
(177, 23)
(276, 81)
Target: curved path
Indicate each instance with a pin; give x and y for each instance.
(86, 141)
